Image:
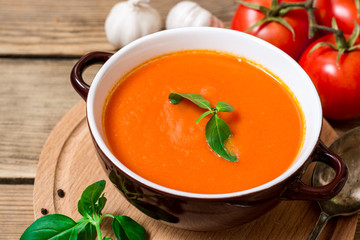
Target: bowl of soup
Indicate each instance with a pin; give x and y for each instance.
(157, 153)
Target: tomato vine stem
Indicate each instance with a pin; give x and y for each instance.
(314, 27)
(342, 44)
(277, 10)
(274, 14)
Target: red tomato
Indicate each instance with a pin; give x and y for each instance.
(344, 11)
(274, 32)
(338, 87)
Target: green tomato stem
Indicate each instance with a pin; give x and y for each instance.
(274, 13)
(275, 10)
(339, 35)
(311, 16)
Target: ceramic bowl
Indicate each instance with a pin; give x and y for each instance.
(208, 211)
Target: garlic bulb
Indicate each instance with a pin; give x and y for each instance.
(190, 14)
(130, 20)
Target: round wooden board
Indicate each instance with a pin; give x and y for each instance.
(69, 162)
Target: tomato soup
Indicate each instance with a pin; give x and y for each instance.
(161, 141)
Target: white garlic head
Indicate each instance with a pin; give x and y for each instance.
(191, 14)
(130, 20)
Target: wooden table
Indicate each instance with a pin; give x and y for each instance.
(39, 43)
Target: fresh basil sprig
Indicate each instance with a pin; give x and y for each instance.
(90, 205)
(217, 131)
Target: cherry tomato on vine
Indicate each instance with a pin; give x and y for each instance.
(338, 83)
(345, 12)
(273, 31)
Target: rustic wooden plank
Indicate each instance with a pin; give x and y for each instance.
(16, 210)
(34, 95)
(70, 27)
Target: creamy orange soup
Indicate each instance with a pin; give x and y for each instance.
(161, 141)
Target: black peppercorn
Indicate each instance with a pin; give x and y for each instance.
(44, 211)
(61, 193)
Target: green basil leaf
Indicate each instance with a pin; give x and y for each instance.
(73, 236)
(87, 230)
(224, 107)
(217, 131)
(204, 115)
(52, 226)
(125, 228)
(101, 204)
(84, 210)
(175, 98)
(87, 203)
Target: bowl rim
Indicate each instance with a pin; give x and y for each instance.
(294, 168)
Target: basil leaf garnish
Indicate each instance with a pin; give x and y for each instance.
(88, 231)
(127, 229)
(90, 205)
(217, 131)
(87, 203)
(204, 115)
(101, 204)
(224, 107)
(54, 226)
(175, 98)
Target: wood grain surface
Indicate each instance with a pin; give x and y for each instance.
(16, 210)
(39, 43)
(34, 95)
(69, 162)
(71, 28)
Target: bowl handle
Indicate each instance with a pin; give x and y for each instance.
(77, 81)
(297, 190)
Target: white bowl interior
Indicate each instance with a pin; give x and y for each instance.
(238, 43)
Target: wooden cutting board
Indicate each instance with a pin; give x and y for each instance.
(68, 162)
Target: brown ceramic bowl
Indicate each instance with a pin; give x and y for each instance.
(208, 211)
